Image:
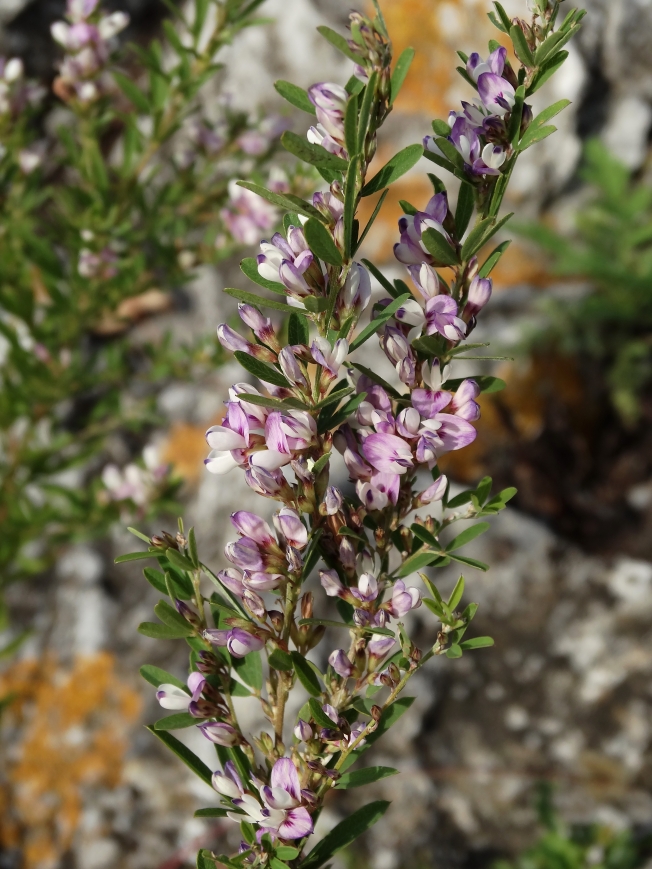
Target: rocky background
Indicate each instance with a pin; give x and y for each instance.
(566, 694)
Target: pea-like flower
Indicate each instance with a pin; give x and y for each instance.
(172, 697)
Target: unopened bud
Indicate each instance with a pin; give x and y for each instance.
(276, 618)
(307, 605)
(376, 713)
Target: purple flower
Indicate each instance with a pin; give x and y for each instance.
(232, 579)
(333, 500)
(356, 292)
(496, 93)
(435, 492)
(290, 526)
(260, 325)
(238, 641)
(228, 785)
(290, 367)
(331, 583)
(367, 589)
(330, 102)
(387, 453)
(245, 554)
(495, 63)
(330, 358)
(303, 731)
(340, 663)
(464, 404)
(262, 581)
(410, 249)
(286, 261)
(247, 214)
(403, 599)
(172, 697)
(479, 295)
(266, 483)
(231, 340)
(442, 434)
(220, 733)
(441, 316)
(378, 647)
(282, 814)
(250, 525)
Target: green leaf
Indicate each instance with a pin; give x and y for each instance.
(470, 562)
(131, 91)
(548, 69)
(364, 777)
(379, 380)
(339, 42)
(341, 415)
(350, 200)
(380, 277)
(249, 267)
(286, 852)
(261, 370)
(281, 660)
(424, 535)
(454, 652)
(379, 321)
(344, 833)
(163, 632)
(456, 594)
(178, 560)
(315, 304)
(521, 47)
(481, 234)
(250, 669)
(554, 42)
(311, 556)
(251, 299)
(136, 556)
(155, 676)
(400, 71)
(532, 136)
(298, 329)
(365, 112)
(465, 208)
(436, 244)
(393, 169)
(549, 113)
(306, 675)
(491, 16)
(492, 260)
(169, 616)
(372, 219)
(312, 153)
(467, 536)
(191, 760)
(477, 643)
(321, 242)
(175, 722)
(211, 813)
(295, 95)
(486, 382)
(504, 17)
(275, 863)
(416, 562)
(351, 126)
(320, 464)
(319, 715)
(139, 534)
(284, 200)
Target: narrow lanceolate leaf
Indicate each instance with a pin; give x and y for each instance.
(284, 200)
(477, 643)
(211, 813)
(321, 242)
(464, 210)
(250, 669)
(521, 47)
(295, 95)
(318, 714)
(191, 760)
(364, 777)
(481, 234)
(251, 299)
(365, 112)
(350, 198)
(493, 259)
(163, 632)
(311, 153)
(137, 556)
(132, 92)
(344, 833)
(156, 676)
(372, 219)
(532, 136)
(280, 660)
(276, 403)
(549, 113)
(400, 72)
(379, 321)
(442, 251)
(175, 722)
(306, 675)
(261, 370)
(393, 169)
(546, 70)
(467, 536)
(456, 594)
(249, 267)
(338, 42)
(416, 562)
(298, 329)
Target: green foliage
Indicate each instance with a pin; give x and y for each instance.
(610, 324)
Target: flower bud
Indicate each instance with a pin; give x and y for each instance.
(331, 583)
(303, 731)
(340, 663)
(230, 340)
(254, 604)
(225, 786)
(333, 500)
(290, 367)
(288, 523)
(260, 325)
(479, 295)
(220, 733)
(435, 492)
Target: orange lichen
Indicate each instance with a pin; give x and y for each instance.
(185, 449)
(67, 731)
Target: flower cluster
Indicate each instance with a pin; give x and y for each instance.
(15, 91)
(480, 132)
(86, 36)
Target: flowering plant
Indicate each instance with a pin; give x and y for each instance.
(259, 632)
(102, 218)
